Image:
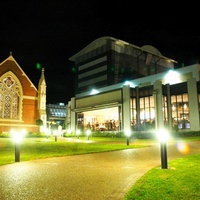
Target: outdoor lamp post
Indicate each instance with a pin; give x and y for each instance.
(127, 133)
(163, 151)
(56, 135)
(17, 137)
(163, 137)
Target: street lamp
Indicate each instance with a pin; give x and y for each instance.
(163, 137)
(17, 137)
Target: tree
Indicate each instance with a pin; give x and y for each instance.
(39, 122)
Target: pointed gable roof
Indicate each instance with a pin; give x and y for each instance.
(11, 58)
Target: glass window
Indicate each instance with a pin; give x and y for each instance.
(180, 111)
(9, 97)
(145, 120)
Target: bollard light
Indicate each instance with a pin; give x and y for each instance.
(88, 132)
(17, 136)
(78, 132)
(163, 136)
(55, 132)
(69, 131)
(47, 132)
(128, 134)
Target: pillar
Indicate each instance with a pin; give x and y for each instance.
(193, 104)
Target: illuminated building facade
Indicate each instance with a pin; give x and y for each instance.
(56, 114)
(108, 61)
(120, 86)
(21, 103)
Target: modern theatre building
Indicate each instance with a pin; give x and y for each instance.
(123, 87)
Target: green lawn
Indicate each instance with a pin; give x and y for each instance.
(37, 148)
(181, 181)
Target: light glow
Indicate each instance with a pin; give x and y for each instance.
(183, 148)
(172, 77)
(88, 132)
(129, 83)
(47, 131)
(69, 131)
(55, 132)
(18, 136)
(94, 91)
(78, 132)
(128, 133)
(163, 135)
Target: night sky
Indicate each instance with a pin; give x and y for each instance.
(49, 32)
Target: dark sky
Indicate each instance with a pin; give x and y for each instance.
(49, 32)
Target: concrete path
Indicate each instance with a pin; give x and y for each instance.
(99, 176)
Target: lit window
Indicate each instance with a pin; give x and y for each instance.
(9, 97)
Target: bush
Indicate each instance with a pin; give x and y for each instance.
(111, 134)
(144, 135)
(35, 135)
(4, 135)
(183, 133)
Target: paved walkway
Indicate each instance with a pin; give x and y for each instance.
(99, 176)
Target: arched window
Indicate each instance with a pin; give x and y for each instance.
(10, 97)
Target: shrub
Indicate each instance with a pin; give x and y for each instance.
(35, 135)
(4, 135)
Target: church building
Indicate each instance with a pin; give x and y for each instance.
(21, 103)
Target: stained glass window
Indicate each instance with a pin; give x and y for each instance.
(9, 98)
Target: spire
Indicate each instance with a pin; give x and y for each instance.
(42, 98)
(42, 79)
(42, 82)
(42, 74)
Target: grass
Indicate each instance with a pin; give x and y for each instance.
(38, 148)
(179, 181)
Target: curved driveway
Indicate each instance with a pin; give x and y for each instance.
(98, 176)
